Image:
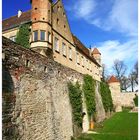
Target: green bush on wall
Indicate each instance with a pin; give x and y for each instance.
(89, 92)
(106, 96)
(75, 94)
(23, 36)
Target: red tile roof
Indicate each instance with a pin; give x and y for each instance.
(95, 51)
(113, 79)
(83, 49)
(15, 21)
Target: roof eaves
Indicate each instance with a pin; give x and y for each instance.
(16, 25)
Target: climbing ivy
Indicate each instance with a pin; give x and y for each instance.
(106, 96)
(75, 94)
(89, 92)
(23, 36)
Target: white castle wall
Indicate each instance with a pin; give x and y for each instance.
(121, 99)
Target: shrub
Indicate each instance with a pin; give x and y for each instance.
(106, 96)
(89, 92)
(75, 94)
(23, 36)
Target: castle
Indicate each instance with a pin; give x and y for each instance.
(50, 32)
(38, 105)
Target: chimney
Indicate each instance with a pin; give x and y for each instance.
(19, 13)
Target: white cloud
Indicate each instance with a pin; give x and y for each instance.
(84, 8)
(113, 49)
(122, 16)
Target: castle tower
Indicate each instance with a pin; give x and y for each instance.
(41, 25)
(97, 55)
(114, 85)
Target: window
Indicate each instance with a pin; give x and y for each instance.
(64, 49)
(13, 38)
(57, 21)
(70, 53)
(82, 59)
(49, 37)
(56, 44)
(87, 65)
(77, 58)
(42, 35)
(35, 35)
(90, 67)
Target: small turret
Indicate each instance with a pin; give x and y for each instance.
(41, 24)
(97, 55)
(114, 85)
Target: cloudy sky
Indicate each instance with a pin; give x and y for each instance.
(110, 25)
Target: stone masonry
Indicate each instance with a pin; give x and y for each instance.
(42, 110)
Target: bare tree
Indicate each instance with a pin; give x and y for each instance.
(133, 77)
(104, 73)
(125, 83)
(119, 69)
(136, 73)
(132, 80)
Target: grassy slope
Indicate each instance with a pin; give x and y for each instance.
(122, 126)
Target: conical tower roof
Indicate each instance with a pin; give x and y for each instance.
(95, 51)
(113, 79)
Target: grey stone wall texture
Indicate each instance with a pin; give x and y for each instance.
(36, 103)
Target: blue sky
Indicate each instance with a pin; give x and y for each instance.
(109, 25)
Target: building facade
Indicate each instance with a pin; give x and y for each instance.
(50, 32)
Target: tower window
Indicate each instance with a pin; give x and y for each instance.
(35, 35)
(49, 37)
(42, 35)
(35, 8)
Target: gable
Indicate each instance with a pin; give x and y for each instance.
(60, 21)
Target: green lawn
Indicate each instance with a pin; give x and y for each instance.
(122, 126)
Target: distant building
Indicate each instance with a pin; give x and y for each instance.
(120, 99)
(50, 32)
